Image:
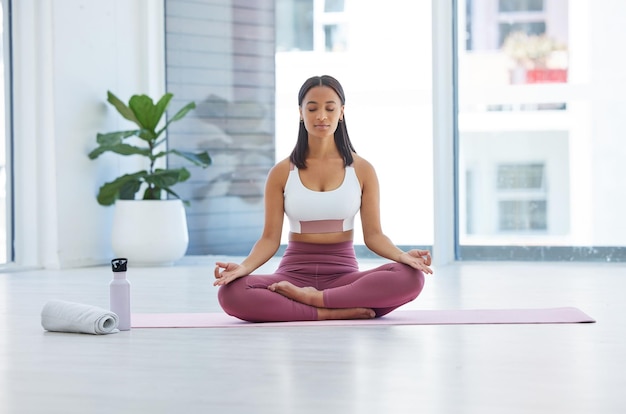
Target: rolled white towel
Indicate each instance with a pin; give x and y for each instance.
(61, 316)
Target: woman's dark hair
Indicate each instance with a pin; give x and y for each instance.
(342, 140)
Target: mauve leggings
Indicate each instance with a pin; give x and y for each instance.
(332, 268)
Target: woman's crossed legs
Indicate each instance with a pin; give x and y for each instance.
(292, 297)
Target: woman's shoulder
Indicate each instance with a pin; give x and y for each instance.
(280, 170)
(361, 165)
(364, 170)
(283, 165)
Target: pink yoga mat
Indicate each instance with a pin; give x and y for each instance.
(398, 317)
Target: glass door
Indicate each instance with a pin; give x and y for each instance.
(541, 148)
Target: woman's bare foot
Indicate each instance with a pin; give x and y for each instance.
(307, 295)
(313, 297)
(349, 313)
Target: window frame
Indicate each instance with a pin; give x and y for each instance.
(8, 129)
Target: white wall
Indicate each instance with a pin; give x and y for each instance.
(66, 55)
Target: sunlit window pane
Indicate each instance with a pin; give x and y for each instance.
(522, 215)
(333, 6)
(541, 99)
(294, 25)
(386, 74)
(520, 176)
(520, 5)
(335, 38)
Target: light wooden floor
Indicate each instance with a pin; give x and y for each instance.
(503, 369)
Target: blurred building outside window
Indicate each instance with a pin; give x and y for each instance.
(538, 95)
(311, 25)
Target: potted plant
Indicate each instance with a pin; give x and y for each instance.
(148, 228)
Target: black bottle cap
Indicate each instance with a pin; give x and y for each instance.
(119, 264)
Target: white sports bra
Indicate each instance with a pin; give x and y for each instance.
(332, 211)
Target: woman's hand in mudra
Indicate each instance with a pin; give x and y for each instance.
(231, 272)
(418, 259)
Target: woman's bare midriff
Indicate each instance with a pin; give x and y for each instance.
(322, 238)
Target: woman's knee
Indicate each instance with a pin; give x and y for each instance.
(230, 296)
(413, 278)
(419, 281)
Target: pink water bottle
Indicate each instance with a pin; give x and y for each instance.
(120, 293)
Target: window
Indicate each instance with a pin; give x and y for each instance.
(513, 6)
(294, 25)
(525, 16)
(520, 215)
(311, 25)
(389, 101)
(520, 176)
(522, 203)
(539, 147)
(333, 6)
(221, 56)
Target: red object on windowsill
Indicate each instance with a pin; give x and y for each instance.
(546, 75)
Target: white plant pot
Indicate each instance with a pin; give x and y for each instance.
(150, 232)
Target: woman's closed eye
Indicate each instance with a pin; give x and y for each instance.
(316, 109)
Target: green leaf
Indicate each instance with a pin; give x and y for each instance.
(179, 115)
(152, 193)
(113, 138)
(122, 149)
(166, 178)
(183, 112)
(201, 159)
(171, 192)
(147, 112)
(113, 142)
(126, 149)
(161, 106)
(97, 152)
(121, 107)
(159, 155)
(148, 136)
(124, 187)
(129, 189)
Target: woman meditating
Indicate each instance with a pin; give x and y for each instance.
(320, 188)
